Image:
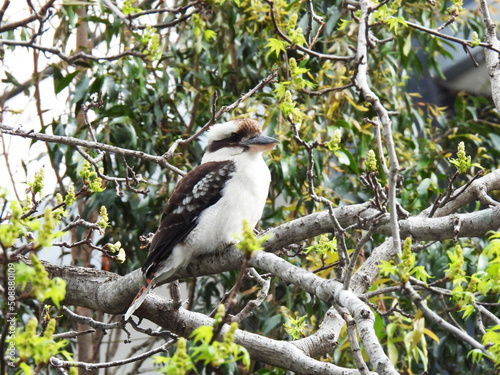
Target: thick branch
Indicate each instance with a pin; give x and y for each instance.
(491, 55)
(105, 291)
(361, 82)
(467, 194)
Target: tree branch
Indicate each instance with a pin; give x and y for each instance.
(431, 315)
(104, 291)
(161, 160)
(491, 54)
(361, 82)
(464, 42)
(467, 194)
(56, 362)
(35, 16)
(80, 55)
(217, 114)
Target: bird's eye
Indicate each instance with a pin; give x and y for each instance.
(235, 137)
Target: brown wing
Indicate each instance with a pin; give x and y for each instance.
(199, 189)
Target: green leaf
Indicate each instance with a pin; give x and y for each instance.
(11, 79)
(393, 352)
(209, 35)
(343, 24)
(346, 158)
(202, 334)
(64, 82)
(271, 323)
(407, 45)
(276, 45)
(420, 273)
(388, 268)
(42, 287)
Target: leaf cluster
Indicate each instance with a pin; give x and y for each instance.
(41, 286)
(40, 347)
(206, 349)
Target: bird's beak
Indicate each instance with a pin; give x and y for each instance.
(260, 143)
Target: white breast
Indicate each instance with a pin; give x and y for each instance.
(244, 197)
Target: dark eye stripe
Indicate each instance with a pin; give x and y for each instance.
(235, 137)
(231, 141)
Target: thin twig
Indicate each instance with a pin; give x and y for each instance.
(339, 231)
(327, 90)
(5, 5)
(180, 9)
(58, 363)
(71, 141)
(265, 283)
(217, 114)
(463, 42)
(7, 164)
(299, 47)
(26, 21)
(355, 254)
(231, 300)
(164, 25)
(431, 315)
(80, 55)
(451, 194)
(312, 16)
(353, 340)
(93, 323)
(150, 332)
(72, 334)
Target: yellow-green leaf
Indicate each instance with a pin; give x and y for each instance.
(359, 107)
(431, 334)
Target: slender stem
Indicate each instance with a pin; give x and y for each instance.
(74, 57)
(299, 47)
(22, 23)
(353, 341)
(431, 315)
(361, 81)
(216, 115)
(71, 141)
(56, 362)
(461, 41)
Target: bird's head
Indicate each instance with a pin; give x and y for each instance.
(236, 137)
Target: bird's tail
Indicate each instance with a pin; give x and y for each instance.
(139, 298)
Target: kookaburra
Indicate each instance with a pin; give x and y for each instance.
(207, 207)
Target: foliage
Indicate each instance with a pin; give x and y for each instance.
(406, 267)
(91, 179)
(206, 349)
(42, 287)
(160, 88)
(40, 348)
(179, 364)
(218, 353)
(296, 327)
(248, 243)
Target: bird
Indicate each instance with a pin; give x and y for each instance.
(209, 204)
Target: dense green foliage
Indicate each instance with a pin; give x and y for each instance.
(166, 91)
